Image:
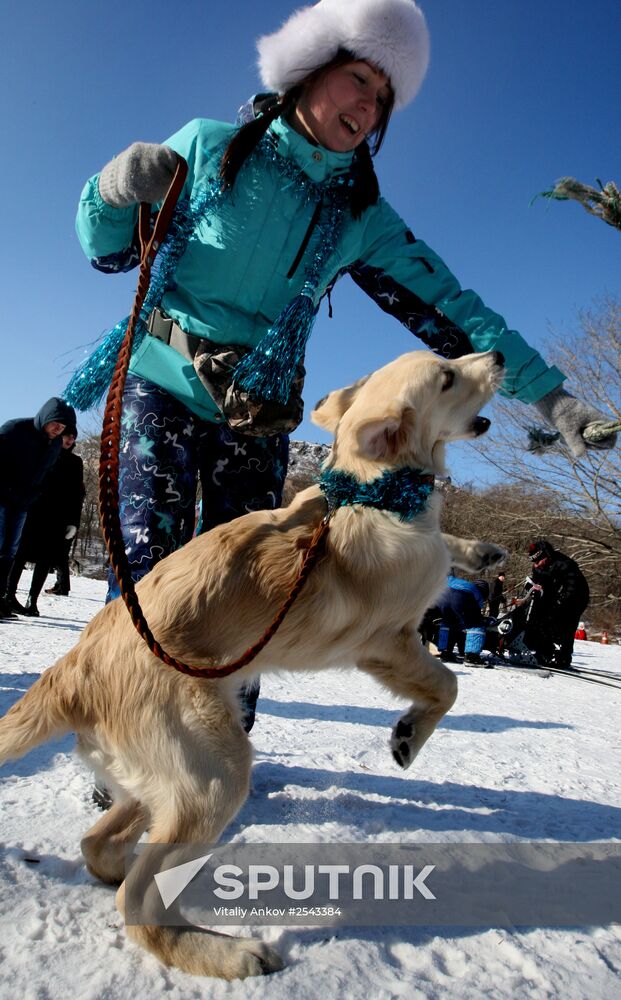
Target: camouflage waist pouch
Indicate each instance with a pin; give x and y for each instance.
(215, 366)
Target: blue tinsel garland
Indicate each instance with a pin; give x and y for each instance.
(268, 370)
(90, 381)
(404, 492)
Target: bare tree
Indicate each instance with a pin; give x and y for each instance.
(574, 502)
(89, 550)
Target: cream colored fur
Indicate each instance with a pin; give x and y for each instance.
(170, 746)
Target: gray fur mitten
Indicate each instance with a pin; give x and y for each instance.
(142, 172)
(570, 416)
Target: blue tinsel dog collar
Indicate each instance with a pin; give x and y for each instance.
(404, 492)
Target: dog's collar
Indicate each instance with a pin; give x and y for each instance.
(404, 492)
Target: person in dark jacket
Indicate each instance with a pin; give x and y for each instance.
(29, 447)
(496, 595)
(51, 525)
(75, 502)
(564, 596)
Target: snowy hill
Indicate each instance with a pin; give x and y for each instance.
(305, 461)
(521, 756)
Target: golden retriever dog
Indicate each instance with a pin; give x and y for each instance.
(170, 746)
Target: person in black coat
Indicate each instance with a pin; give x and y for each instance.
(70, 514)
(75, 493)
(29, 447)
(496, 595)
(51, 525)
(564, 596)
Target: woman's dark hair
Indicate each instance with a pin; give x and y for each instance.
(365, 188)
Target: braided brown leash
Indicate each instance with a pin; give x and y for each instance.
(109, 462)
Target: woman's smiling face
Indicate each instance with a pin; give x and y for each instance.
(339, 108)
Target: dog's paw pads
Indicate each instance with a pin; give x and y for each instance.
(404, 730)
(401, 743)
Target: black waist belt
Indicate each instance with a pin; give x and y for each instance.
(164, 328)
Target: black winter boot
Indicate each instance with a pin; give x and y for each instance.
(31, 608)
(473, 660)
(6, 611)
(15, 605)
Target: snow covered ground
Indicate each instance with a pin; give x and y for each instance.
(521, 756)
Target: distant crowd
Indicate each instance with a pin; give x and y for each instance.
(539, 622)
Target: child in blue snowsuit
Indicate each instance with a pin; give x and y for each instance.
(459, 609)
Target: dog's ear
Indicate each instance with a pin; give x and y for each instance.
(386, 436)
(329, 410)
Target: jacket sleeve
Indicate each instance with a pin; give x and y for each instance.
(411, 282)
(568, 581)
(107, 234)
(6, 462)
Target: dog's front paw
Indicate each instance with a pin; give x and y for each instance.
(486, 555)
(402, 742)
(472, 555)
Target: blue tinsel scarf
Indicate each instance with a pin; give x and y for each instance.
(268, 370)
(404, 492)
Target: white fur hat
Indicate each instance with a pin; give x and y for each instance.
(391, 34)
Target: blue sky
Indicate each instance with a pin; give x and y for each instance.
(517, 95)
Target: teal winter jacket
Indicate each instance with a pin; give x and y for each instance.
(245, 265)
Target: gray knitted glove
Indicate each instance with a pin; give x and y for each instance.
(142, 172)
(570, 416)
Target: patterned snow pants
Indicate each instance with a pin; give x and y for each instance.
(165, 449)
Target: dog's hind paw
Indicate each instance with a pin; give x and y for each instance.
(257, 959)
(402, 742)
(236, 958)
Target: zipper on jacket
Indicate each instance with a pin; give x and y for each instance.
(309, 232)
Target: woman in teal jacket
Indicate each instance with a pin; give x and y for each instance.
(272, 213)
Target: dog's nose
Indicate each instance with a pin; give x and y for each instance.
(481, 425)
(499, 358)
